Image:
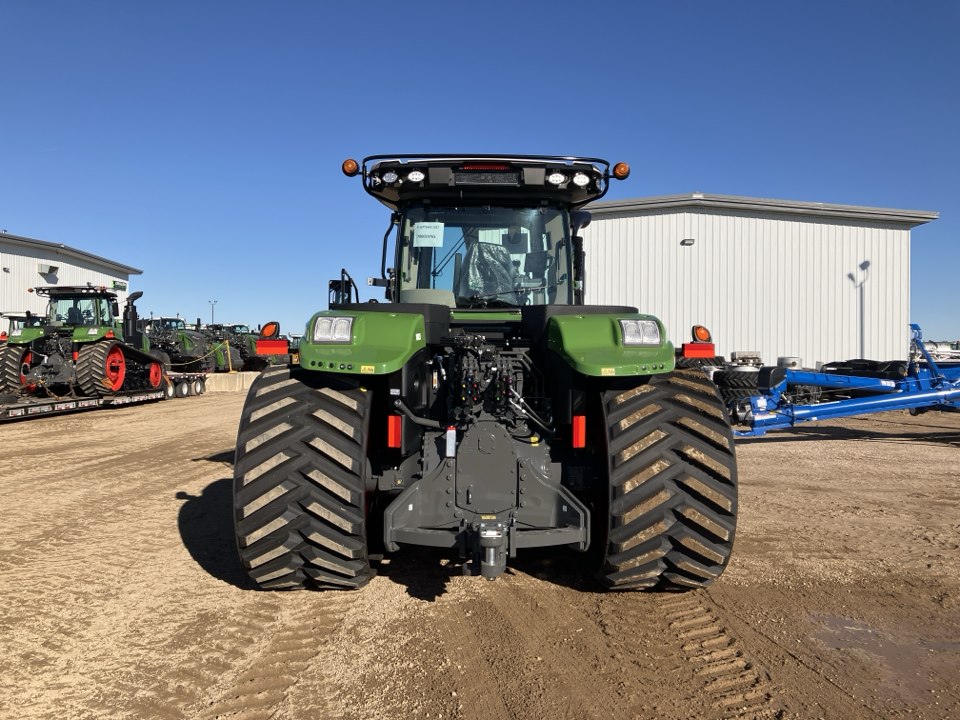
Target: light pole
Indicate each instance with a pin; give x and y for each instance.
(212, 305)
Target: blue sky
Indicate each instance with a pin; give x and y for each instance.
(201, 141)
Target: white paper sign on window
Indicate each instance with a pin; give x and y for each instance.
(428, 234)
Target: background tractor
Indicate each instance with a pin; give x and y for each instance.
(188, 350)
(484, 409)
(242, 344)
(83, 347)
(12, 321)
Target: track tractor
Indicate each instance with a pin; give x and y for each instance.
(81, 348)
(484, 408)
(242, 344)
(187, 350)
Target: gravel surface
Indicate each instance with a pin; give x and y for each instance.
(122, 596)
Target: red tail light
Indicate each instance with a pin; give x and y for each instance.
(579, 431)
(393, 431)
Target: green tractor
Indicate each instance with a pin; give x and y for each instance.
(12, 321)
(81, 348)
(242, 344)
(188, 350)
(484, 409)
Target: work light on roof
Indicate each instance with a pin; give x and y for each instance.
(581, 179)
(390, 176)
(416, 176)
(556, 178)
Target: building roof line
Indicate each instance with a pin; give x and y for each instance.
(67, 251)
(739, 202)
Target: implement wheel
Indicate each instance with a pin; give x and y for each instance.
(101, 368)
(298, 488)
(672, 484)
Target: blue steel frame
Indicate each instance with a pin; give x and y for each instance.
(925, 386)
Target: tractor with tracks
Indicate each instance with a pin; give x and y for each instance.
(242, 344)
(485, 408)
(82, 348)
(188, 350)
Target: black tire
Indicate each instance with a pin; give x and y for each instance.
(298, 490)
(735, 385)
(182, 389)
(672, 484)
(11, 366)
(93, 376)
(695, 362)
(168, 390)
(207, 364)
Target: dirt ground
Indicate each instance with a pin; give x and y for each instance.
(121, 595)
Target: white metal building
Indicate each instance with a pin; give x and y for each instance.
(784, 278)
(28, 263)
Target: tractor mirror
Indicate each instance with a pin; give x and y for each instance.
(115, 307)
(580, 219)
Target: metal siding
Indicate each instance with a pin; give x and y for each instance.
(771, 283)
(23, 274)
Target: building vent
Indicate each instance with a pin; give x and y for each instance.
(44, 269)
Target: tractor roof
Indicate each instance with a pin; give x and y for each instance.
(75, 290)
(485, 179)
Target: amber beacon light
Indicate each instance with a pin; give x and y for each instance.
(350, 167)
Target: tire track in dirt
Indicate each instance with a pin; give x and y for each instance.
(552, 620)
(261, 687)
(80, 616)
(732, 681)
(501, 667)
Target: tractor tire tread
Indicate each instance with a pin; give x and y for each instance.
(299, 500)
(673, 484)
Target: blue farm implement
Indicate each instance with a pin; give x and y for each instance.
(789, 397)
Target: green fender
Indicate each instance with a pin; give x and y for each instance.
(80, 334)
(381, 342)
(593, 345)
(25, 335)
(92, 334)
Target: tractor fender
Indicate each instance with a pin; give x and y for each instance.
(380, 343)
(592, 344)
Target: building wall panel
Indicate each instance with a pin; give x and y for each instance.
(778, 284)
(19, 271)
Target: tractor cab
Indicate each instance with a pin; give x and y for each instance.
(72, 307)
(485, 231)
(14, 321)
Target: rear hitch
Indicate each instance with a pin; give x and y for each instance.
(493, 551)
